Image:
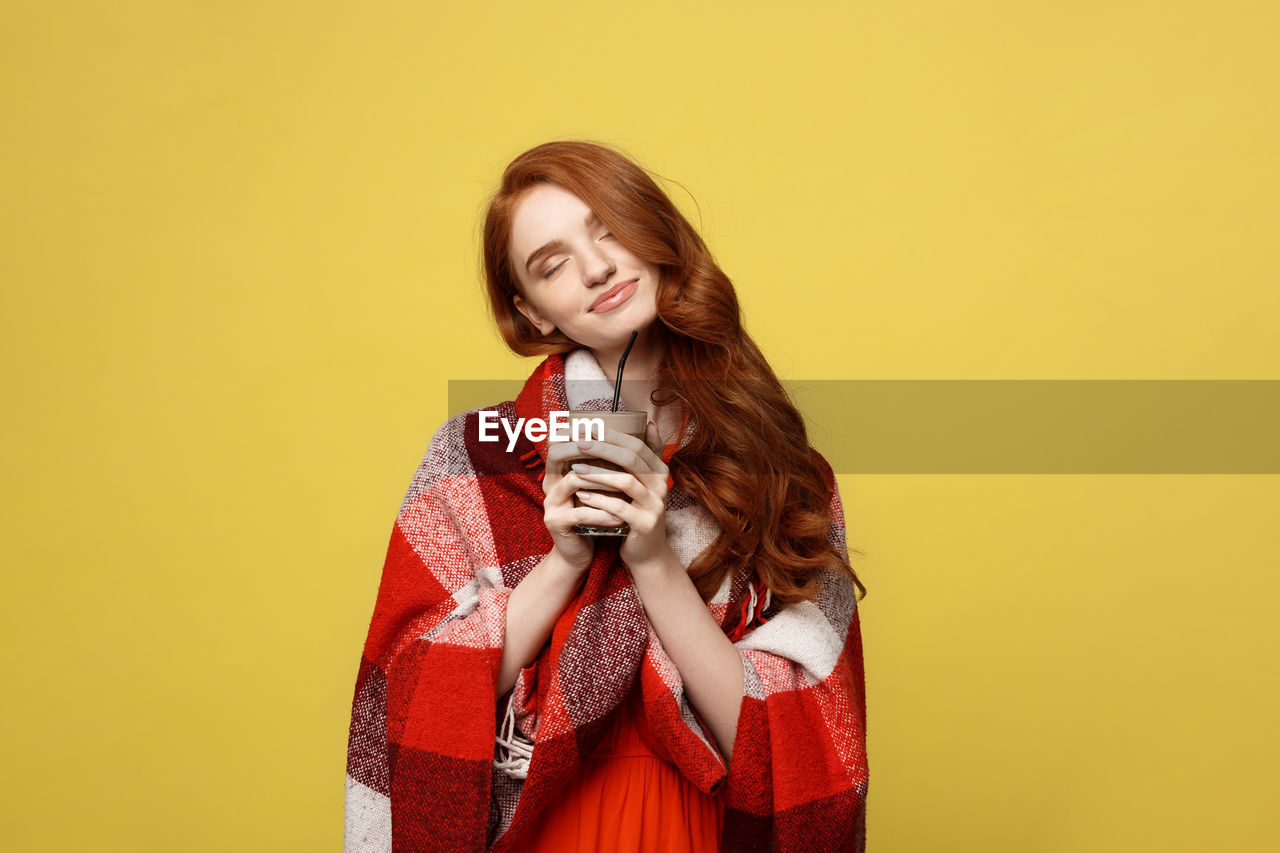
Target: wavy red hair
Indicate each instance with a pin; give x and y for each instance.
(748, 460)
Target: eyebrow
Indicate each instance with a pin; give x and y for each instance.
(547, 248)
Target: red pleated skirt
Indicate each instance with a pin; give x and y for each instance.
(627, 799)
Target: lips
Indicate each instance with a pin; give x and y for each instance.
(611, 292)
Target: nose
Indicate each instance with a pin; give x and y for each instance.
(597, 267)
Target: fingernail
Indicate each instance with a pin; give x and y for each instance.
(583, 445)
(581, 468)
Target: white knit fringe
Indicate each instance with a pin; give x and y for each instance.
(752, 616)
(514, 749)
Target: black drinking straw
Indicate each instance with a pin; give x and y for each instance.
(622, 362)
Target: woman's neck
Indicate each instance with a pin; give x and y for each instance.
(642, 361)
(638, 376)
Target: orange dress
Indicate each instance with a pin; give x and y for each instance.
(626, 799)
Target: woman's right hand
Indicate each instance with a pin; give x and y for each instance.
(560, 515)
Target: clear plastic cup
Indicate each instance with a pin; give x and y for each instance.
(628, 423)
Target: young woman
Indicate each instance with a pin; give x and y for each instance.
(694, 685)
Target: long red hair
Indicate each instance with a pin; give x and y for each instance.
(748, 460)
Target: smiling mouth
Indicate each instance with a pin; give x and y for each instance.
(612, 292)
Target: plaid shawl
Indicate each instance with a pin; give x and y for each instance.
(423, 772)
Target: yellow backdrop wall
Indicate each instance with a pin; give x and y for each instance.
(238, 254)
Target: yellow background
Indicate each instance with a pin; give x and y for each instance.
(239, 254)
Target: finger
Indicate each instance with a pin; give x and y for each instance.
(648, 449)
(631, 442)
(558, 451)
(653, 438)
(623, 510)
(565, 519)
(561, 492)
(635, 456)
(591, 515)
(644, 466)
(640, 446)
(603, 478)
(561, 495)
(649, 490)
(552, 477)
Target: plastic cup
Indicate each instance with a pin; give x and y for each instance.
(628, 423)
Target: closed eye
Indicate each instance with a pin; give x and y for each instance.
(553, 270)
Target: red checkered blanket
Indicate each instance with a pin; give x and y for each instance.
(428, 767)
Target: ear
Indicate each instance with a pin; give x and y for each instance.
(525, 307)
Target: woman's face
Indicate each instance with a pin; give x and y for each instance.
(567, 261)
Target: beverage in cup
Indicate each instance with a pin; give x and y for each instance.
(628, 423)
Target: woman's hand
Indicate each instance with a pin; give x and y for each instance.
(644, 480)
(560, 515)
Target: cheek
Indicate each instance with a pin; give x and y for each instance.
(655, 279)
(655, 274)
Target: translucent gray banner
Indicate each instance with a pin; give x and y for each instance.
(1033, 426)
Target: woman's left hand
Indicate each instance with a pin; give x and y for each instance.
(644, 480)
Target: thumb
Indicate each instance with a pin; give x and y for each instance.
(653, 438)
